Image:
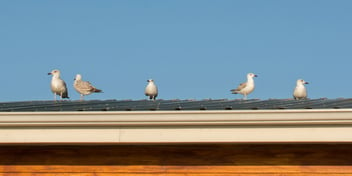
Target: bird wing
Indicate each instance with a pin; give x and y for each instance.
(84, 85)
(65, 93)
(241, 86)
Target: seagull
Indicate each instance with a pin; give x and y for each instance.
(84, 87)
(58, 86)
(300, 91)
(246, 87)
(151, 90)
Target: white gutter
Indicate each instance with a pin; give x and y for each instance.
(321, 125)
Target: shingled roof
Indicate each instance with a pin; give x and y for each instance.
(174, 105)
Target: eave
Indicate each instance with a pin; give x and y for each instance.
(218, 126)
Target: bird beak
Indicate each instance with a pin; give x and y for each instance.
(255, 75)
(306, 82)
(49, 73)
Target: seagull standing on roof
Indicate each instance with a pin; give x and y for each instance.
(84, 87)
(58, 86)
(151, 90)
(300, 91)
(246, 87)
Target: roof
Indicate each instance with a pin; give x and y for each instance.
(176, 121)
(175, 105)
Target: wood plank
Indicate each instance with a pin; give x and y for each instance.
(162, 174)
(216, 159)
(178, 169)
(222, 154)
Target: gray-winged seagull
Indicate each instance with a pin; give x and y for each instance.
(84, 87)
(246, 87)
(300, 91)
(58, 86)
(151, 90)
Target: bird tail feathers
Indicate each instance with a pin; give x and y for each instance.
(65, 95)
(98, 91)
(234, 91)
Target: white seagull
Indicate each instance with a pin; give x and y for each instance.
(246, 87)
(84, 87)
(58, 86)
(151, 90)
(300, 91)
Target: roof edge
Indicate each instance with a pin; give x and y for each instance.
(259, 126)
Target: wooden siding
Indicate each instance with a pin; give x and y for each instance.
(170, 160)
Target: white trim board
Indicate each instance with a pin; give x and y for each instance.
(228, 126)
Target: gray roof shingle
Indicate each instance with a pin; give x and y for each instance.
(172, 105)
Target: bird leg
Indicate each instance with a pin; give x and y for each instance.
(244, 96)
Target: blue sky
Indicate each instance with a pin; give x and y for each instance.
(193, 49)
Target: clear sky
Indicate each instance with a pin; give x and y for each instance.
(193, 49)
